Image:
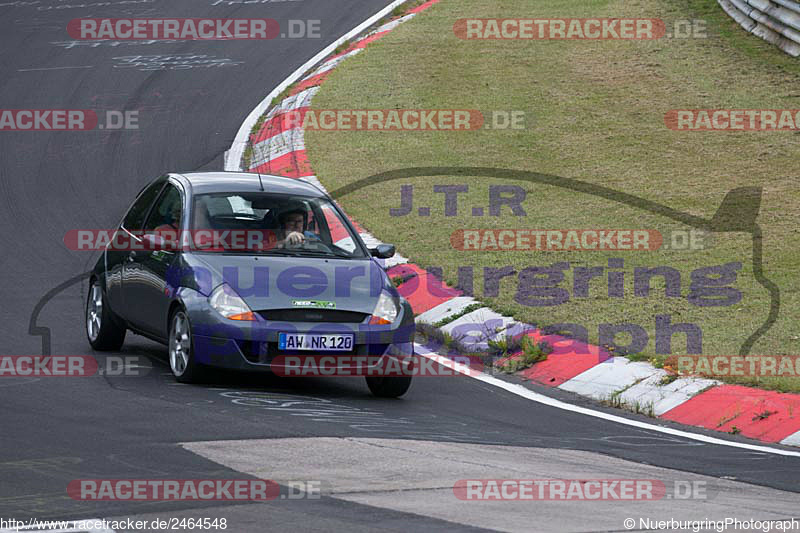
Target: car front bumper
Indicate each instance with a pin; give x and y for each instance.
(253, 346)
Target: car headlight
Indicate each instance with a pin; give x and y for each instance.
(226, 302)
(386, 310)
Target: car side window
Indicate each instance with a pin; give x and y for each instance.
(317, 224)
(134, 220)
(166, 213)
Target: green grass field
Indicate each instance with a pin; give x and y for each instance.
(595, 113)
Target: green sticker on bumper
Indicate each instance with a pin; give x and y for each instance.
(317, 304)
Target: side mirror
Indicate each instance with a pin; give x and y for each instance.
(382, 251)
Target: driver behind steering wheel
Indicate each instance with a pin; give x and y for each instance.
(294, 225)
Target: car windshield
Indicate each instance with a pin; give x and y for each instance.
(276, 224)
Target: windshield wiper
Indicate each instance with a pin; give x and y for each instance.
(278, 251)
(309, 253)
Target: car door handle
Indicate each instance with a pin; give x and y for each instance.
(132, 255)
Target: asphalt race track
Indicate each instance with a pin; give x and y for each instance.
(53, 431)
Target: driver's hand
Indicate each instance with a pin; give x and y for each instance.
(295, 238)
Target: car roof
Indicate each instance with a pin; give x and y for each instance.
(216, 182)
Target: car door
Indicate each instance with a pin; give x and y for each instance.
(146, 292)
(119, 249)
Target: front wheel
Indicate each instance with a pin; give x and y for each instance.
(388, 387)
(104, 333)
(181, 349)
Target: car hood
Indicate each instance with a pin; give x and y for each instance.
(277, 282)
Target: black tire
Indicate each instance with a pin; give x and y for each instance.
(388, 387)
(185, 369)
(109, 334)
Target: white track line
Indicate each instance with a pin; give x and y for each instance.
(528, 394)
(233, 157)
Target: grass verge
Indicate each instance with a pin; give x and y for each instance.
(594, 112)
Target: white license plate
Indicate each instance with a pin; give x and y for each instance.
(322, 343)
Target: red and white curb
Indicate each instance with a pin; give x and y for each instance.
(572, 366)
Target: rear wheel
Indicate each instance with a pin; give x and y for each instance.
(181, 349)
(104, 333)
(388, 387)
